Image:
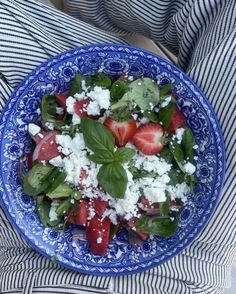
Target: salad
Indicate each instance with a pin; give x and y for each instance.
(111, 155)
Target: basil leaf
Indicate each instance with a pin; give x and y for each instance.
(151, 116)
(160, 226)
(96, 136)
(63, 207)
(178, 154)
(137, 174)
(118, 89)
(101, 80)
(188, 142)
(76, 86)
(36, 181)
(102, 157)
(143, 92)
(124, 154)
(176, 177)
(76, 195)
(166, 155)
(48, 108)
(165, 207)
(165, 89)
(43, 207)
(165, 115)
(113, 178)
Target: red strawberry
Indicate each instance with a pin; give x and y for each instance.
(177, 120)
(148, 138)
(123, 131)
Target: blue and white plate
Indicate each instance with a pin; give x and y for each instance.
(56, 75)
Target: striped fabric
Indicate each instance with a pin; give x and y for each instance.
(203, 34)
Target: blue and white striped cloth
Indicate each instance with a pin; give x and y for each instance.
(202, 33)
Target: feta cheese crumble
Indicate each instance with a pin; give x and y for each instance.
(189, 168)
(33, 129)
(52, 213)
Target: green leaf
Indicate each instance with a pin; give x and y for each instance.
(63, 207)
(188, 142)
(164, 90)
(166, 155)
(118, 89)
(137, 174)
(124, 154)
(175, 177)
(56, 178)
(153, 117)
(36, 181)
(113, 178)
(43, 207)
(62, 190)
(101, 80)
(163, 227)
(76, 86)
(165, 207)
(165, 115)
(48, 108)
(96, 136)
(76, 195)
(143, 92)
(178, 154)
(102, 157)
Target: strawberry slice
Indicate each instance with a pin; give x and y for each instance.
(123, 131)
(98, 232)
(148, 138)
(99, 206)
(78, 216)
(178, 120)
(47, 148)
(61, 99)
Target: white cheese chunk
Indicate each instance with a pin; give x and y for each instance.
(33, 129)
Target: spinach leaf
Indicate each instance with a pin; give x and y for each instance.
(176, 177)
(165, 114)
(62, 190)
(178, 154)
(143, 92)
(48, 108)
(36, 181)
(152, 116)
(96, 135)
(100, 79)
(43, 209)
(165, 207)
(137, 174)
(188, 142)
(166, 155)
(162, 226)
(76, 86)
(63, 207)
(118, 89)
(113, 178)
(165, 89)
(76, 195)
(124, 154)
